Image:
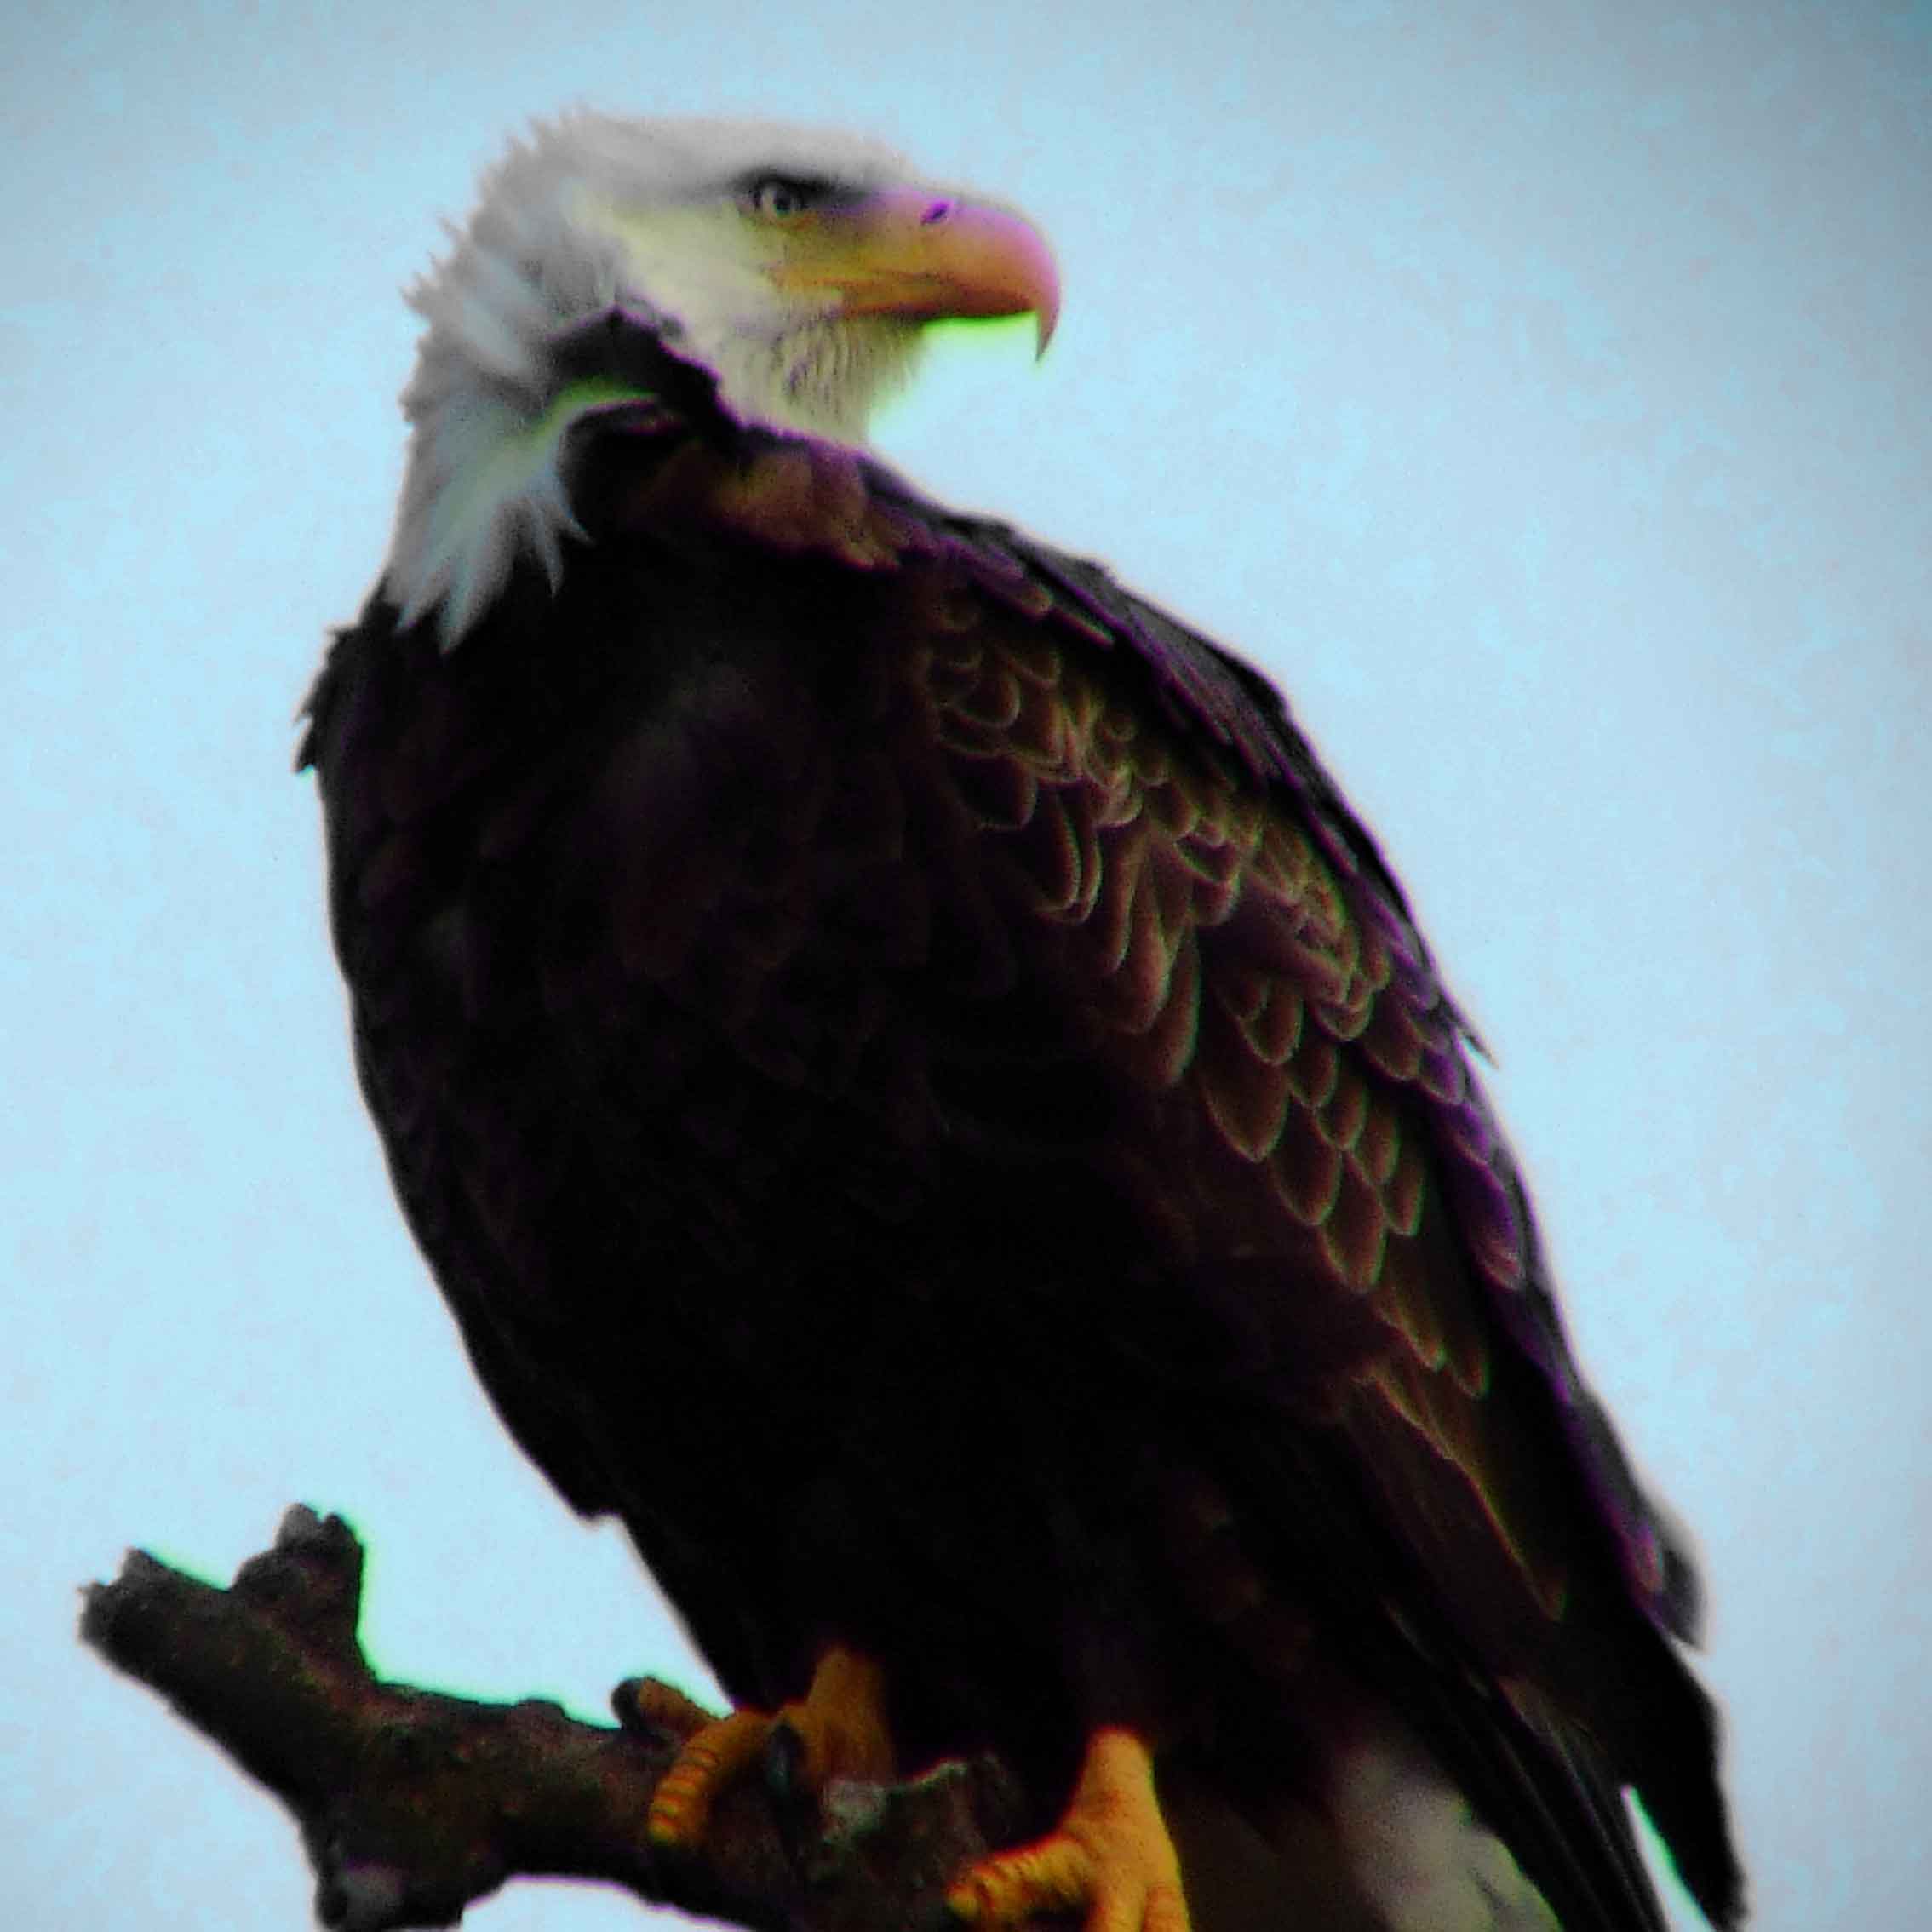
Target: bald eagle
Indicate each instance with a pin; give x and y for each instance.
(925, 1101)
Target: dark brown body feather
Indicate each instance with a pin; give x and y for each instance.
(926, 1103)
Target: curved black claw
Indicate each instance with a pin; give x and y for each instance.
(784, 1765)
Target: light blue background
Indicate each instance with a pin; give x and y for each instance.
(1539, 391)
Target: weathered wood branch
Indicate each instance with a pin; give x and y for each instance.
(412, 1804)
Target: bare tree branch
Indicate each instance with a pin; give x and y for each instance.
(412, 1804)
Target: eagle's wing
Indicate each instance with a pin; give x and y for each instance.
(1353, 1214)
(1320, 1153)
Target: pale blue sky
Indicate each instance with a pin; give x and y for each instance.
(1540, 392)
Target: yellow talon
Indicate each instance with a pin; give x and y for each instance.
(1110, 1854)
(1053, 1874)
(840, 1724)
(659, 1706)
(710, 1759)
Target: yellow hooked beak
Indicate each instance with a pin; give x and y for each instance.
(928, 256)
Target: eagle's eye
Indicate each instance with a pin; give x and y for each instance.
(782, 198)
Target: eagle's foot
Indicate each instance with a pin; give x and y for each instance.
(1110, 1856)
(836, 1730)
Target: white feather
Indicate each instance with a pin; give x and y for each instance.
(1417, 1849)
(592, 211)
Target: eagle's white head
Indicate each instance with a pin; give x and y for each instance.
(798, 267)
